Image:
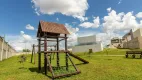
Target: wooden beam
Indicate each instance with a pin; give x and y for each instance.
(62, 75)
(39, 56)
(47, 46)
(32, 53)
(45, 58)
(85, 62)
(58, 52)
(66, 53)
(50, 67)
(55, 36)
(49, 40)
(72, 62)
(61, 39)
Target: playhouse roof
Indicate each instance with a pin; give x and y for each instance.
(51, 27)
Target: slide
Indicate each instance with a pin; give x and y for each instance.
(85, 62)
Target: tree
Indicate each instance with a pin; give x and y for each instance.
(26, 50)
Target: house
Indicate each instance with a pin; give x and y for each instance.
(115, 42)
(133, 39)
(87, 43)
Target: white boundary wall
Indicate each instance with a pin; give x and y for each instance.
(86, 39)
(6, 50)
(85, 48)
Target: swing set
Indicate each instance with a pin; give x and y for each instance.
(53, 32)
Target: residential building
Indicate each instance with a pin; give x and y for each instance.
(115, 42)
(85, 44)
(133, 39)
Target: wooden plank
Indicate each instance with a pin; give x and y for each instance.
(71, 61)
(63, 75)
(49, 40)
(45, 57)
(32, 53)
(61, 39)
(85, 62)
(50, 67)
(39, 56)
(60, 51)
(55, 36)
(66, 53)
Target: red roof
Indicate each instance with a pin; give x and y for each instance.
(52, 27)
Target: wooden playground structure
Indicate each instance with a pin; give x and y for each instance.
(53, 32)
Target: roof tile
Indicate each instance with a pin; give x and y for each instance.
(53, 27)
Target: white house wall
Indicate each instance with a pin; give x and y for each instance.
(87, 39)
(85, 48)
(129, 37)
(137, 33)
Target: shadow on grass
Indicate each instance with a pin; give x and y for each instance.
(132, 58)
(22, 68)
(108, 59)
(35, 69)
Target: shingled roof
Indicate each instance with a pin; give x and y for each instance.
(52, 27)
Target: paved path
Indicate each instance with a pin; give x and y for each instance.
(107, 55)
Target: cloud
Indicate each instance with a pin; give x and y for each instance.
(109, 9)
(115, 23)
(22, 32)
(119, 21)
(21, 41)
(72, 40)
(72, 8)
(139, 15)
(95, 24)
(74, 22)
(29, 27)
(57, 19)
(106, 37)
(119, 1)
(37, 13)
(71, 29)
(27, 38)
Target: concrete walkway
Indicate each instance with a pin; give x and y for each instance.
(107, 55)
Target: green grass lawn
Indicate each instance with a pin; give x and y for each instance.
(99, 68)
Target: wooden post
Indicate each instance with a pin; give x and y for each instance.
(45, 57)
(57, 52)
(50, 55)
(54, 50)
(39, 55)
(50, 67)
(32, 54)
(66, 52)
